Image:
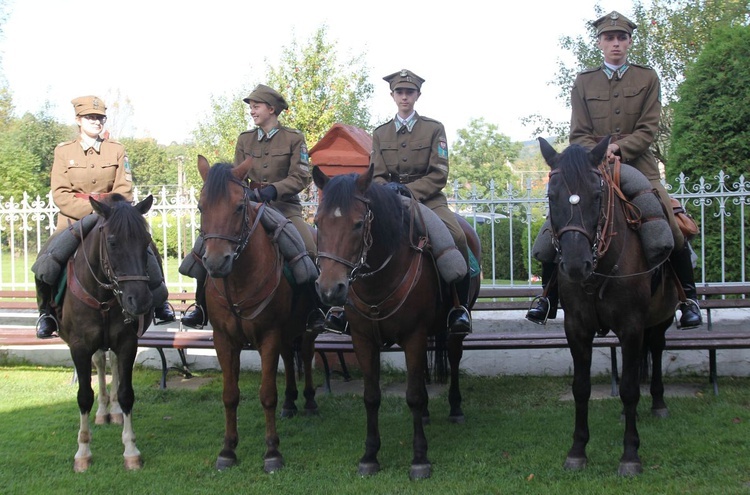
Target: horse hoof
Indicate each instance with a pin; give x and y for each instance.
(312, 412)
(368, 468)
(459, 420)
(133, 463)
(425, 420)
(660, 413)
(273, 464)
(575, 463)
(630, 469)
(102, 419)
(116, 418)
(288, 413)
(223, 462)
(81, 464)
(420, 471)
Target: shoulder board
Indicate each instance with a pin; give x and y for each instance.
(428, 119)
(65, 143)
(113, 141)
(591, 69)
(250, 131)
(289, 129)
(385, 124)
(642, 66)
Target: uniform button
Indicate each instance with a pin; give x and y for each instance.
(403, 130)
(265, 165)
(93, 181)
(617, 130)
(616, 95)
(617, 111)
(265, 153)
(92, 165)
(403, 159)
(403, 145)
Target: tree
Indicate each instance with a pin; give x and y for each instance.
(712, 130)
(149, 163)
(670, 35)
(39, 134)
(481, 154)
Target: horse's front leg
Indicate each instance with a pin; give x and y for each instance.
(580, 350)
(102, 411)
(229, 362)
(289, 407)
(122, 367)
(630, 394)
(308, 353)
(455, 353)
(656, 341)
(416, 397)
(115, 411)
(82, 362)
(269, 362)
(368, 356)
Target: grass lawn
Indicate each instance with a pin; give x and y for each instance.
(514, 441)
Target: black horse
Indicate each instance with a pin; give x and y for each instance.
(605, 284)
(107, 300)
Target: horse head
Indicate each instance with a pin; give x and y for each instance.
(122, 247)
(575, 193)
(224, 206)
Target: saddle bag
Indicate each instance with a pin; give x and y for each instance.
(684, 220)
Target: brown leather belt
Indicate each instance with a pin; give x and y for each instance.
(404, 178)
(612, 137)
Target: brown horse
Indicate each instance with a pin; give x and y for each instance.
(605, 284)
(106, 299)
(392, 294)
(250, 302)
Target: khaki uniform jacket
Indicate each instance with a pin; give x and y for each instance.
(418, 158)
(281, 161)
(628, 109)
(75, 171)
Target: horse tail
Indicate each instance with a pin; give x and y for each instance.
(437, 359)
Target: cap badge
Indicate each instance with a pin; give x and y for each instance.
(614, 15)
(403, 73)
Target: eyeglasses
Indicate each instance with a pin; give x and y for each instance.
(92, 117)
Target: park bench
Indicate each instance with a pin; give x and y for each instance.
(709, 337)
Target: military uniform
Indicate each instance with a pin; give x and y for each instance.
(78, 172)
(280, 159)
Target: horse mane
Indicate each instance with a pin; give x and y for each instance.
(574, 163)
(389, 218)
(217, 182)
(125, 220)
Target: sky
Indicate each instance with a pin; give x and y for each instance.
(479, 58)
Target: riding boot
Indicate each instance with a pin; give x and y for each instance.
(316, 319)
(459, 318)
(335, 320)
(163, 313)
(46, 325)
(197, 317)
(545, 308)
(683, 268)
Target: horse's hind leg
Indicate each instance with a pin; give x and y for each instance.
(655, 341)
(308, 353)
(269, 359)
(229, 361)
(115, 411)
(455, 352)
(123, 365)
(102, 412)
(289, 407)
(82, 362)
(630, 393)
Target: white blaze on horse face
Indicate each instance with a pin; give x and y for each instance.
(574, 199)
(337, 213)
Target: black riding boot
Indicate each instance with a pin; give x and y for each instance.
(316, 320)
(459, 318)
(46, 325)
(683, 267)
(545, 307)
(163, 314)
(198, 316)
(335, 320)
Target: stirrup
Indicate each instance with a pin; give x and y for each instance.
(462, 310)
(534, 304)
(334, 311)
(312, 317)
(194, 308)
(688, 303)
(45, 316)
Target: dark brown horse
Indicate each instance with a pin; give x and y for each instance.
(250, 302)
(605, 284)
(391, 292)
(106, 300)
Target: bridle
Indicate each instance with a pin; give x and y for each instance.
(247, 231)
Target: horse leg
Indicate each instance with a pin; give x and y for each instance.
(630, 393)
(455, 353)
(368, 356)
(115, 411)
(580, 350)
(289, 408)
(269, 359)
(102, 412)
(229, 361)
(308, 353)
(656, 341)
(416, 398)
(122, 365)
(82, 362)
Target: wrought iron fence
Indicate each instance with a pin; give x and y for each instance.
(506, 218)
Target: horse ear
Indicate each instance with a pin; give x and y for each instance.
(320, 178)
(240, 171)
(102, 209)
(548, 152)
(365, 179)
(145, 205)
(600, 151)
(203, 167)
